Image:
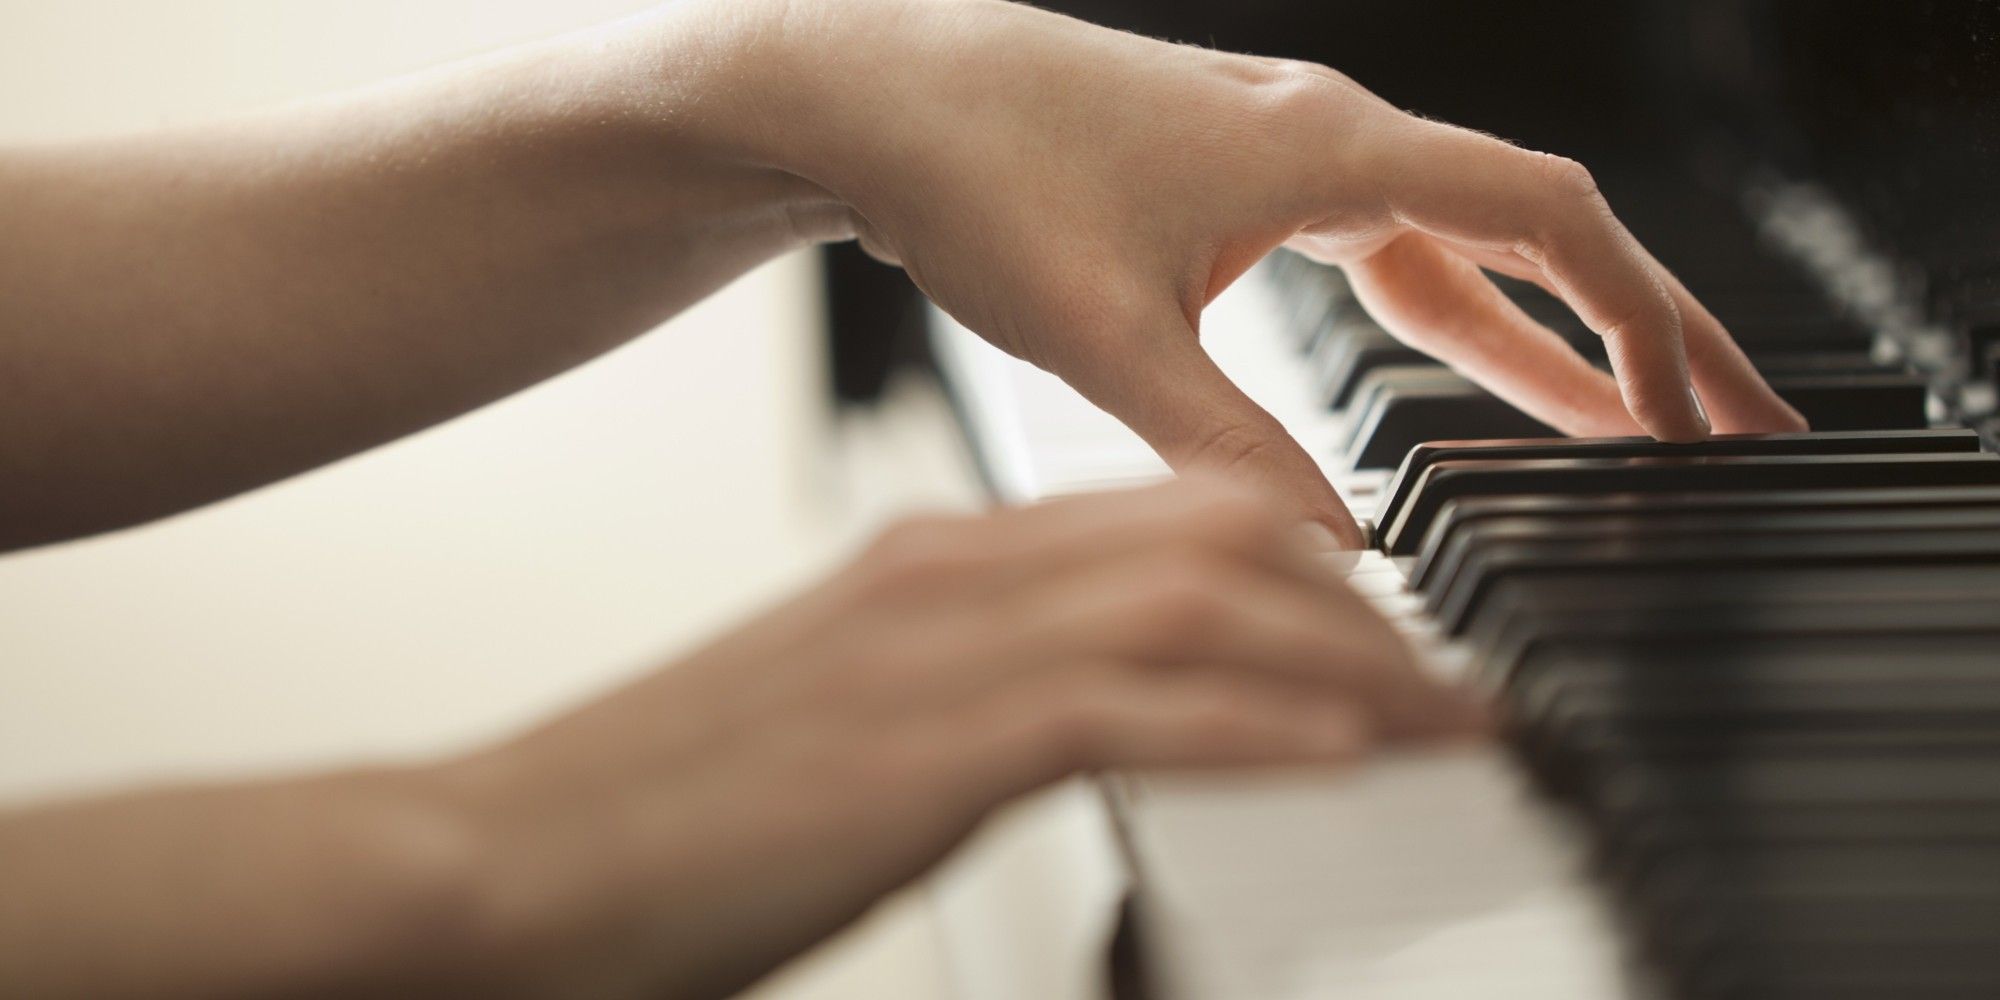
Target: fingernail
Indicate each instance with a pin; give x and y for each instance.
(1700, 412)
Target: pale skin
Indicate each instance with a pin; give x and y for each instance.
(187, 315)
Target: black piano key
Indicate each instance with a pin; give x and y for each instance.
(1451, 558)
(1350, 351)
(1814, 330)
(1442, 482)
(1563, 712)
(1364, 407)
(1473, 510)
(1637, 796)
(1457, 600)
(1314, 294)
(1521, 610)
(1700, 912)
(1597, 755)
(1774, 305)
(1786, 361)
(1395, 422)
(1542, 686)
(1858, 402)
(1402, 417)
(1817, 443)
(1527, 685)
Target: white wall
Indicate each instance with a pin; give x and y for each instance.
(442, 589)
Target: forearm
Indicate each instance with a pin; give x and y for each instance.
(190, 314)
(336, 885)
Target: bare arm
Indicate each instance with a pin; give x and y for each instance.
(333, 885)
(688, 833)
(190, 314)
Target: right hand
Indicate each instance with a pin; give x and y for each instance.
(689, 833)
(1077, 195)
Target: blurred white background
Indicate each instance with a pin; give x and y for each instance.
(447, 588)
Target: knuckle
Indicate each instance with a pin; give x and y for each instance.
(921, 552)
(1304, 91)
(1314, 95)
(1566, 177)
(1230, 444)
(1179, 601)
(1232, 518)
(1075, 726)
(1223, 718)
(895, 664)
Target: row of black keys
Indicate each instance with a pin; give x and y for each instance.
(1764, 670)
(1395, 397)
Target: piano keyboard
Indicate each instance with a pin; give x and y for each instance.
(1752, 686)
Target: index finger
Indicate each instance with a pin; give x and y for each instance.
(1157, 380)
(1480, 192)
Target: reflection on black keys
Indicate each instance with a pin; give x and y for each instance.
(1380, 381)
(1451, 555)
(1350, 351)
(1382, 436)
(1617, 560)
(1459, 514)
(1539, 694)
(1443, 482)
(1421, 456)
(1788, 362)
(1314, 295)
(1401, 417)
(1759, 335)
(1522, 609)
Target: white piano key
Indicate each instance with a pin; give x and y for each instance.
(1414, 876)
(1418, 875)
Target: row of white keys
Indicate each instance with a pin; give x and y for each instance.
(1417, 875)
(1422, 874)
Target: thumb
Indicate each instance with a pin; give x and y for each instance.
(1162, 385)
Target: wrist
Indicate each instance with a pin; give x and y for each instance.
(830, 88)
(557, 868)
(662, 118)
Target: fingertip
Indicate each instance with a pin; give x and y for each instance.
(1798, 424)
(1684, 422)
(1337, 531)
(1787, 419)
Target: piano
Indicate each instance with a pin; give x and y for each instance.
(1751, 686)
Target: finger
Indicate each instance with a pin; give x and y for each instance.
(1735, 394)
(1509, 263)
(1473, 189)
(1738, 399)
(1197, 513)
(1095, 716)
(1161, 384)
(1174, 610)
(1443, 305)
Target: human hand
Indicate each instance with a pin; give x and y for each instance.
(690, 832)
(1077, 195)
